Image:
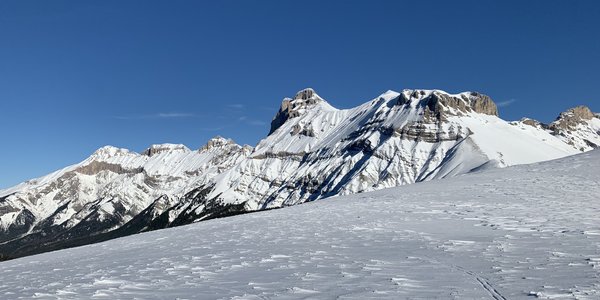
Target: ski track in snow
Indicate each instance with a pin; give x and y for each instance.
(519, 233)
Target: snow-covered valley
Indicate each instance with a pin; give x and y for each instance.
(516, 233)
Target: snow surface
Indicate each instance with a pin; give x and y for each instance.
(516, 233)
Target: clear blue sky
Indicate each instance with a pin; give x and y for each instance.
(77, 75)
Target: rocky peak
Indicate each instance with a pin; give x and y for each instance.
(569, 119)
(247, 149)
(160, 148)
(217, 142)
(109, 151)
(291, 108)
(440, 104)
(307, 94)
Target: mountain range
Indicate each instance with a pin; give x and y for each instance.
(313, 151)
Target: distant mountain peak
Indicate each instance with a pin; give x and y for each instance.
(109, 151)
(217, 142)
(570, 118)
(160, 148)
(307, 94)
(291, 108)
(442, 104)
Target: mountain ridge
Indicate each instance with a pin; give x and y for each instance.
(312, 151)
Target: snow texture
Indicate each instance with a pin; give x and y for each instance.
(528, 231)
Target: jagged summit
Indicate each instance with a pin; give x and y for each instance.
(442, 104)
(437, 104)
(217, 141)
(160, 148)
(291, 108)
(578, 127)
(307, 94)
(109, 151)
(569, 119)
(566, 120)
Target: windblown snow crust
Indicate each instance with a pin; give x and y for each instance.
(313, 151)
(514, 233)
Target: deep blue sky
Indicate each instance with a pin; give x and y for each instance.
(77, 75)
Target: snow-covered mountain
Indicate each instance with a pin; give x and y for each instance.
(524, 232)
(105, 191)
(313, 151)
(579, 127)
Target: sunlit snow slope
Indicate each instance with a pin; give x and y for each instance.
(516, 233)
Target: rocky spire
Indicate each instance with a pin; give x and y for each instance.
(291, 108)
(569, 119)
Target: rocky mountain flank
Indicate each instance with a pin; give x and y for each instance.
(579, 127)
(313, 151)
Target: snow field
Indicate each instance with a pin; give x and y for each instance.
(517, 233)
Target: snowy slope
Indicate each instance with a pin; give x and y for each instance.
(523, 232)
(395, 139)
(313, 151)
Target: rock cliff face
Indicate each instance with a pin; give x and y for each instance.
(160, 148)
(312, 151)
(217, 142)
(578, 127)
(395, 139)
(292, 108)
(571, 118)
(440, 105)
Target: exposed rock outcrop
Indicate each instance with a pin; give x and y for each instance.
(217, 142)
(419, 131)
(313, 151)
(440, 105)
(291, 108)
(96, 167)
(306, 130)
(161, 148)
(578, 127)
(534, 123)
(569, 119)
